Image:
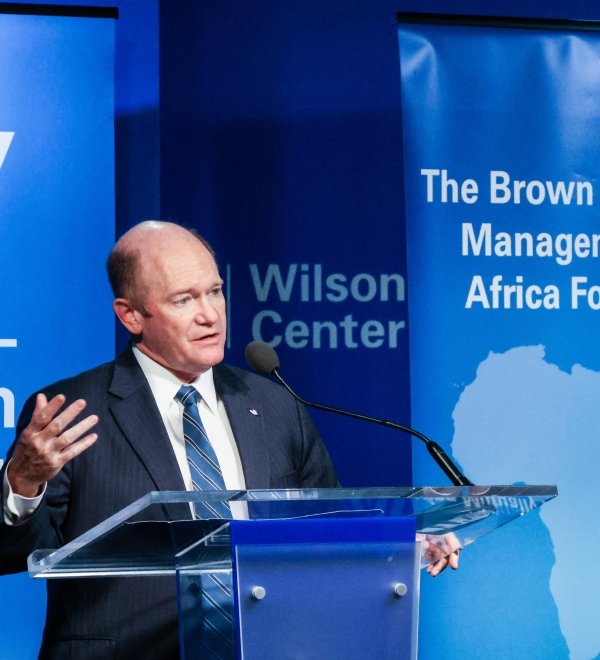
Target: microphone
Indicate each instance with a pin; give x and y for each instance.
(263, 359)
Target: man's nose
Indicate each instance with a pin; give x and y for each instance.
(206, 312)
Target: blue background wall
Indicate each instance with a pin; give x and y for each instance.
(274, 126)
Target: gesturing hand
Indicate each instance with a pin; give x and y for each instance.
(44, 446)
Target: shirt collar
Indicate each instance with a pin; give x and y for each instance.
(165, 385)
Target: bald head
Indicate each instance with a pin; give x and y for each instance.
(137, 252)
(169, 296)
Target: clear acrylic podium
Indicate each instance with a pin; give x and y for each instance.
(314, 574)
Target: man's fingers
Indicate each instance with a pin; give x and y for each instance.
(441, 552)
(454, 547)
(70, 436)
(453, 559)
(76, 448)
(45, 411)
(452, 542)
(56, 426)
(435, 567)
(47, 419)
(438, 567)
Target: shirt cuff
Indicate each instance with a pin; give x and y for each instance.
(18, 509)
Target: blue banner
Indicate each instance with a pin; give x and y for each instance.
(502, 153)
(56, 228)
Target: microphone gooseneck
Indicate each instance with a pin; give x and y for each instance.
(263, 359)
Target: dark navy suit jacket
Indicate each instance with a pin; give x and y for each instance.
(137, 617)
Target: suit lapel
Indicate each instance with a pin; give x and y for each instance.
(137, 415)
(248, 425)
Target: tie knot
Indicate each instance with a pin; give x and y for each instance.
(188, 395)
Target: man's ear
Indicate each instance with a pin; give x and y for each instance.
(129, 317)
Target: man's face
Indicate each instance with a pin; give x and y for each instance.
(183, 296)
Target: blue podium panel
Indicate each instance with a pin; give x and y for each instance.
(335, 588)
(339, 601)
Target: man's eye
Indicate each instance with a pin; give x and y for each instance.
(217, 291)
(180, 302)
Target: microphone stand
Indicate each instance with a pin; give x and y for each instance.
(434, 449)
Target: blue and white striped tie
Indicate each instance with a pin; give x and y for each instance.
(204, 466)
(216, 636)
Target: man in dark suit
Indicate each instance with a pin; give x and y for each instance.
(69, 470)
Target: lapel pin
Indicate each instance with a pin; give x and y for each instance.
(253, 411)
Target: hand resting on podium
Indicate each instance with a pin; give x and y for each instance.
(440, 551)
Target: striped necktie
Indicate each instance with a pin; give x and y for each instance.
(216, 632)
(204, 465)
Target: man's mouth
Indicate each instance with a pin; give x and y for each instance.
(207, 338)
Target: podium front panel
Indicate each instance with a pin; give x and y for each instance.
(336, 588)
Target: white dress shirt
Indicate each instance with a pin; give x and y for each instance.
(164, 386)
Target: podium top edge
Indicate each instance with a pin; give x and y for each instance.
(415, 492)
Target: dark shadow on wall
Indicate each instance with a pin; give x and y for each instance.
(137, 168)
(322, 191)
(334, 181)
(137, 178)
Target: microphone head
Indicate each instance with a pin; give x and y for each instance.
(262, 358)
